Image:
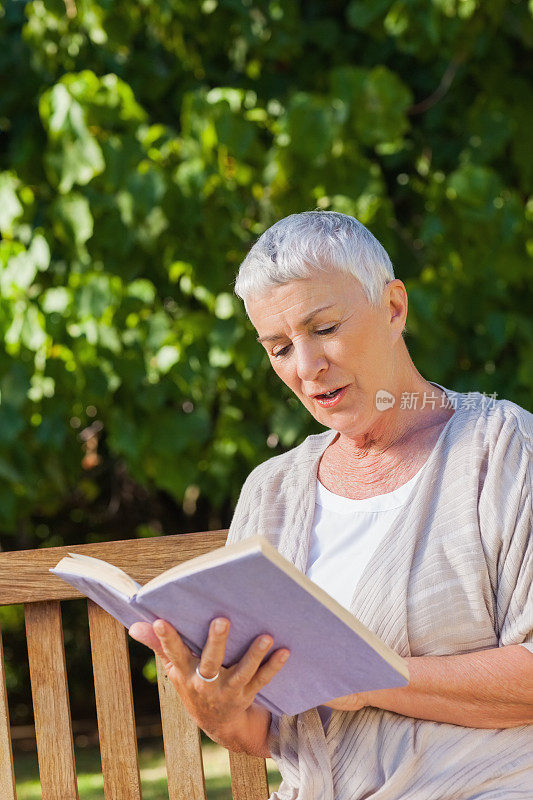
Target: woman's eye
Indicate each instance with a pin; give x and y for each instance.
(320, 332)
(282, 352)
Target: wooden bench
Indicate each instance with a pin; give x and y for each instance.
(24, 578)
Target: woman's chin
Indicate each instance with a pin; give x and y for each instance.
(344, 422)
(348, 423)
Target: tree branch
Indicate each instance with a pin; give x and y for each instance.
(442, 89)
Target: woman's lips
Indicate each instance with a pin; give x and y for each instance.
(329, 402)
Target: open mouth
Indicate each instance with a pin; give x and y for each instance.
(329, 395)
(330, 399)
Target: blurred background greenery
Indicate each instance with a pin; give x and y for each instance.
(145, 146)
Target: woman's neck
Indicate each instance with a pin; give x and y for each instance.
(360, 469)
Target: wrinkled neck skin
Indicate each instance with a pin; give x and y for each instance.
(395, 445)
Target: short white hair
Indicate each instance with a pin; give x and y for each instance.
(302, 244)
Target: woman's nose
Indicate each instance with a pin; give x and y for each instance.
(310, 361)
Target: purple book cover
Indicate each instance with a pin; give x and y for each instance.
(328, 658)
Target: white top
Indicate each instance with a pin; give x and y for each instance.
(345, 534)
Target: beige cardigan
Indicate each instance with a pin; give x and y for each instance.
(453, 575)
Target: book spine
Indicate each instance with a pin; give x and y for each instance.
(268, 704)
(141, 610)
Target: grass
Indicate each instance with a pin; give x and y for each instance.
(152, 769)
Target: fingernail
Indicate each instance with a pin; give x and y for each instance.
(220, 625)
(159, 627)
(283, 657)
(265, 642)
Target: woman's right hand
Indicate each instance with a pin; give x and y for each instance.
(220, 708)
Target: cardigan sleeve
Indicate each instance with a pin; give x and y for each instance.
(515, 588)
(508, 505)
(238, 528)
(283, 746)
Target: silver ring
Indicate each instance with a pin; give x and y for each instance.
(207, 680)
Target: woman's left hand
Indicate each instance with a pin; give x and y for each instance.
(350, 702)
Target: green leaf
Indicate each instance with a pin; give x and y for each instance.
(74, 162)
(474, 186)
(95, 296)
(165, 358)
(143, 290)
(287, 423)
(33, 333)
(74, 156)
(40, 252)
(18, 275)
(73, 219)
(56, 300)
(125, 436)
(378, 101)
(224, 306)
(309, 126)
(10, 206)
(361, 14)
(219, 357)
(236, 133)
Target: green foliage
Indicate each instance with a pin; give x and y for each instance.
(148, 144)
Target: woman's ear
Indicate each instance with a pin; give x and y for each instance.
(397, 305)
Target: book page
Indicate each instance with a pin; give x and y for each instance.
(218, 556)
(99, 570)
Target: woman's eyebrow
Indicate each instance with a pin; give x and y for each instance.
(277, 336)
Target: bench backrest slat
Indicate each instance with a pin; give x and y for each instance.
(7, 774)
(181, 738)
(248, 777)
(24, 576)
(114, 705)
(51, 707)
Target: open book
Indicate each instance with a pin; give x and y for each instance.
(251, 584)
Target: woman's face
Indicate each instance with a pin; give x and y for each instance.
(322, 334)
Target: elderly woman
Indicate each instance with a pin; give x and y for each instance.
(413, 509)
